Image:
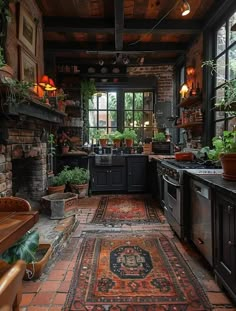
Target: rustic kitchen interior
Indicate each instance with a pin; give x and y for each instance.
(136, 100)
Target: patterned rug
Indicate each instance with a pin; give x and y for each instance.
(127, 209)
(133, 272)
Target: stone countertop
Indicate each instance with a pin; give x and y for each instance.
(159, 157)
(217, 182)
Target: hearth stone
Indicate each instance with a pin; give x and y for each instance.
(60, 205)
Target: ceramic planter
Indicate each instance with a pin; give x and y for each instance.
(82, 190)
(103, 142)
(116, 143)
(56, 189)
(129, 142)
(228, 162)
(34, 270)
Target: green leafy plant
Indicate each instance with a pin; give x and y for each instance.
(78, 176)
(116, 135)
(129, 134)
(221, 144)
(25, 248)
(2, 59)
(100, 134)
(61, 178)
(228, 86)
(159, 137)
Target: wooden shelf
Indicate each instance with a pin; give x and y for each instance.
(187, 125)
(190, 101)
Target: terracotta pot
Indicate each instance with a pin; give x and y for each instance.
(116, 143)
(6, 71)
(81, 190)
(56, 189)
(228, 162)
(103, 142)
(34, 270)
(65, 149)
(184, 156)
(129, 142)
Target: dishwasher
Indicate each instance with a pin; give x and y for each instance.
(201, 220)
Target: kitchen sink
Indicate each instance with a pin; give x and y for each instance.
(109, 160)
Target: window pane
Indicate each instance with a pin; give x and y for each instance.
(92, 132)
(232, 34)
(112, 101)
(219, 128)
(112, 118)
(102, 101)
(220, 71)
(138, 118)
(102, 118)
(93, 103)
(128, 118)
(93, 118)
(128, 101)
(138, 100)
(220, 95)
(232, 62)
(147, 119)
(221, 40)
(148, 101)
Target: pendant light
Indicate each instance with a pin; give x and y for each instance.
(185, 9)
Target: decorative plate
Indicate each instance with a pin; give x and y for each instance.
(104, 70)
(115, 70)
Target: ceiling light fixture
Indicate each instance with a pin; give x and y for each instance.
(185, 8)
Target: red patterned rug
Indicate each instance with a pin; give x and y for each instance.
(133, 272)
(127, 209)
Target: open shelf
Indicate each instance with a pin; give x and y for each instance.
(190, 101)
(187, 125)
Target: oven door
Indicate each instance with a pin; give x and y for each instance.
(172, 199)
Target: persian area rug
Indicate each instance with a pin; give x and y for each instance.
(127, 209)
(133, 272)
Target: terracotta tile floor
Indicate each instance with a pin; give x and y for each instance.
(50, 291)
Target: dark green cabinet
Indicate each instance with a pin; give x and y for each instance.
(137, 173)
(225, 242)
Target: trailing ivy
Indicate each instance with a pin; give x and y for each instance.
(88, 89)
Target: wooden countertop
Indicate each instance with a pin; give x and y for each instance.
(13, 225)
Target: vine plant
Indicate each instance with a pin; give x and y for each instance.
(88, 89)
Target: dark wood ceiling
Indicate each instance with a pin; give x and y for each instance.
(86, 31)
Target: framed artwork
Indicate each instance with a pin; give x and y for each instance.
(28, 67)
(27, 30)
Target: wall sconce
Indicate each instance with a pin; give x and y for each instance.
(185, 8)
(184, 90)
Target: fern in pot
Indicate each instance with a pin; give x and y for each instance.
(28, 248)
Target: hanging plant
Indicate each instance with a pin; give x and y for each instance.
(88, 89)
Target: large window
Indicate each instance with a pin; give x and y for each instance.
(135, 111)
(138, 113)
(225, 59)
(103, 112)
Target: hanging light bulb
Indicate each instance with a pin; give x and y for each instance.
(185, 9)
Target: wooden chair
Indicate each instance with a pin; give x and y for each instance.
(11, 285)
(14, 204)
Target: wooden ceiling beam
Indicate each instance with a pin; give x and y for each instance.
(119, 23)
(106, 48)
(64, 24)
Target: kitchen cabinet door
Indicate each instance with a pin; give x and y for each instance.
(137, 173)
(225, 242)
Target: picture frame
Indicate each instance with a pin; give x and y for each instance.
(27, 30)
(28, 67)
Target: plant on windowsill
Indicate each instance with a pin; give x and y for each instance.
(129, 137)
(228, 86)
(102, 136)
(224, 151)
(28, 248)
(116, 137)
(159, 137)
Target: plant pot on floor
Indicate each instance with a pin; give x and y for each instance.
(56, 189)
(34, 270)
(228, 162)
(81, 190)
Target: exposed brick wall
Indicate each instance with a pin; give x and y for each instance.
(164, 74)
(23, 147)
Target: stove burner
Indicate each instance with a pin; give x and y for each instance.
(190, 164)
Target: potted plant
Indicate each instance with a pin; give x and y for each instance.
(78, 181)
(225, 151)
(129, 137)
(228, 102)
(102, 136)
(160, 137)
(116, 138)
(59, 181)
(28, 248)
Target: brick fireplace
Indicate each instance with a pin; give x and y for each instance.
(23, 159)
